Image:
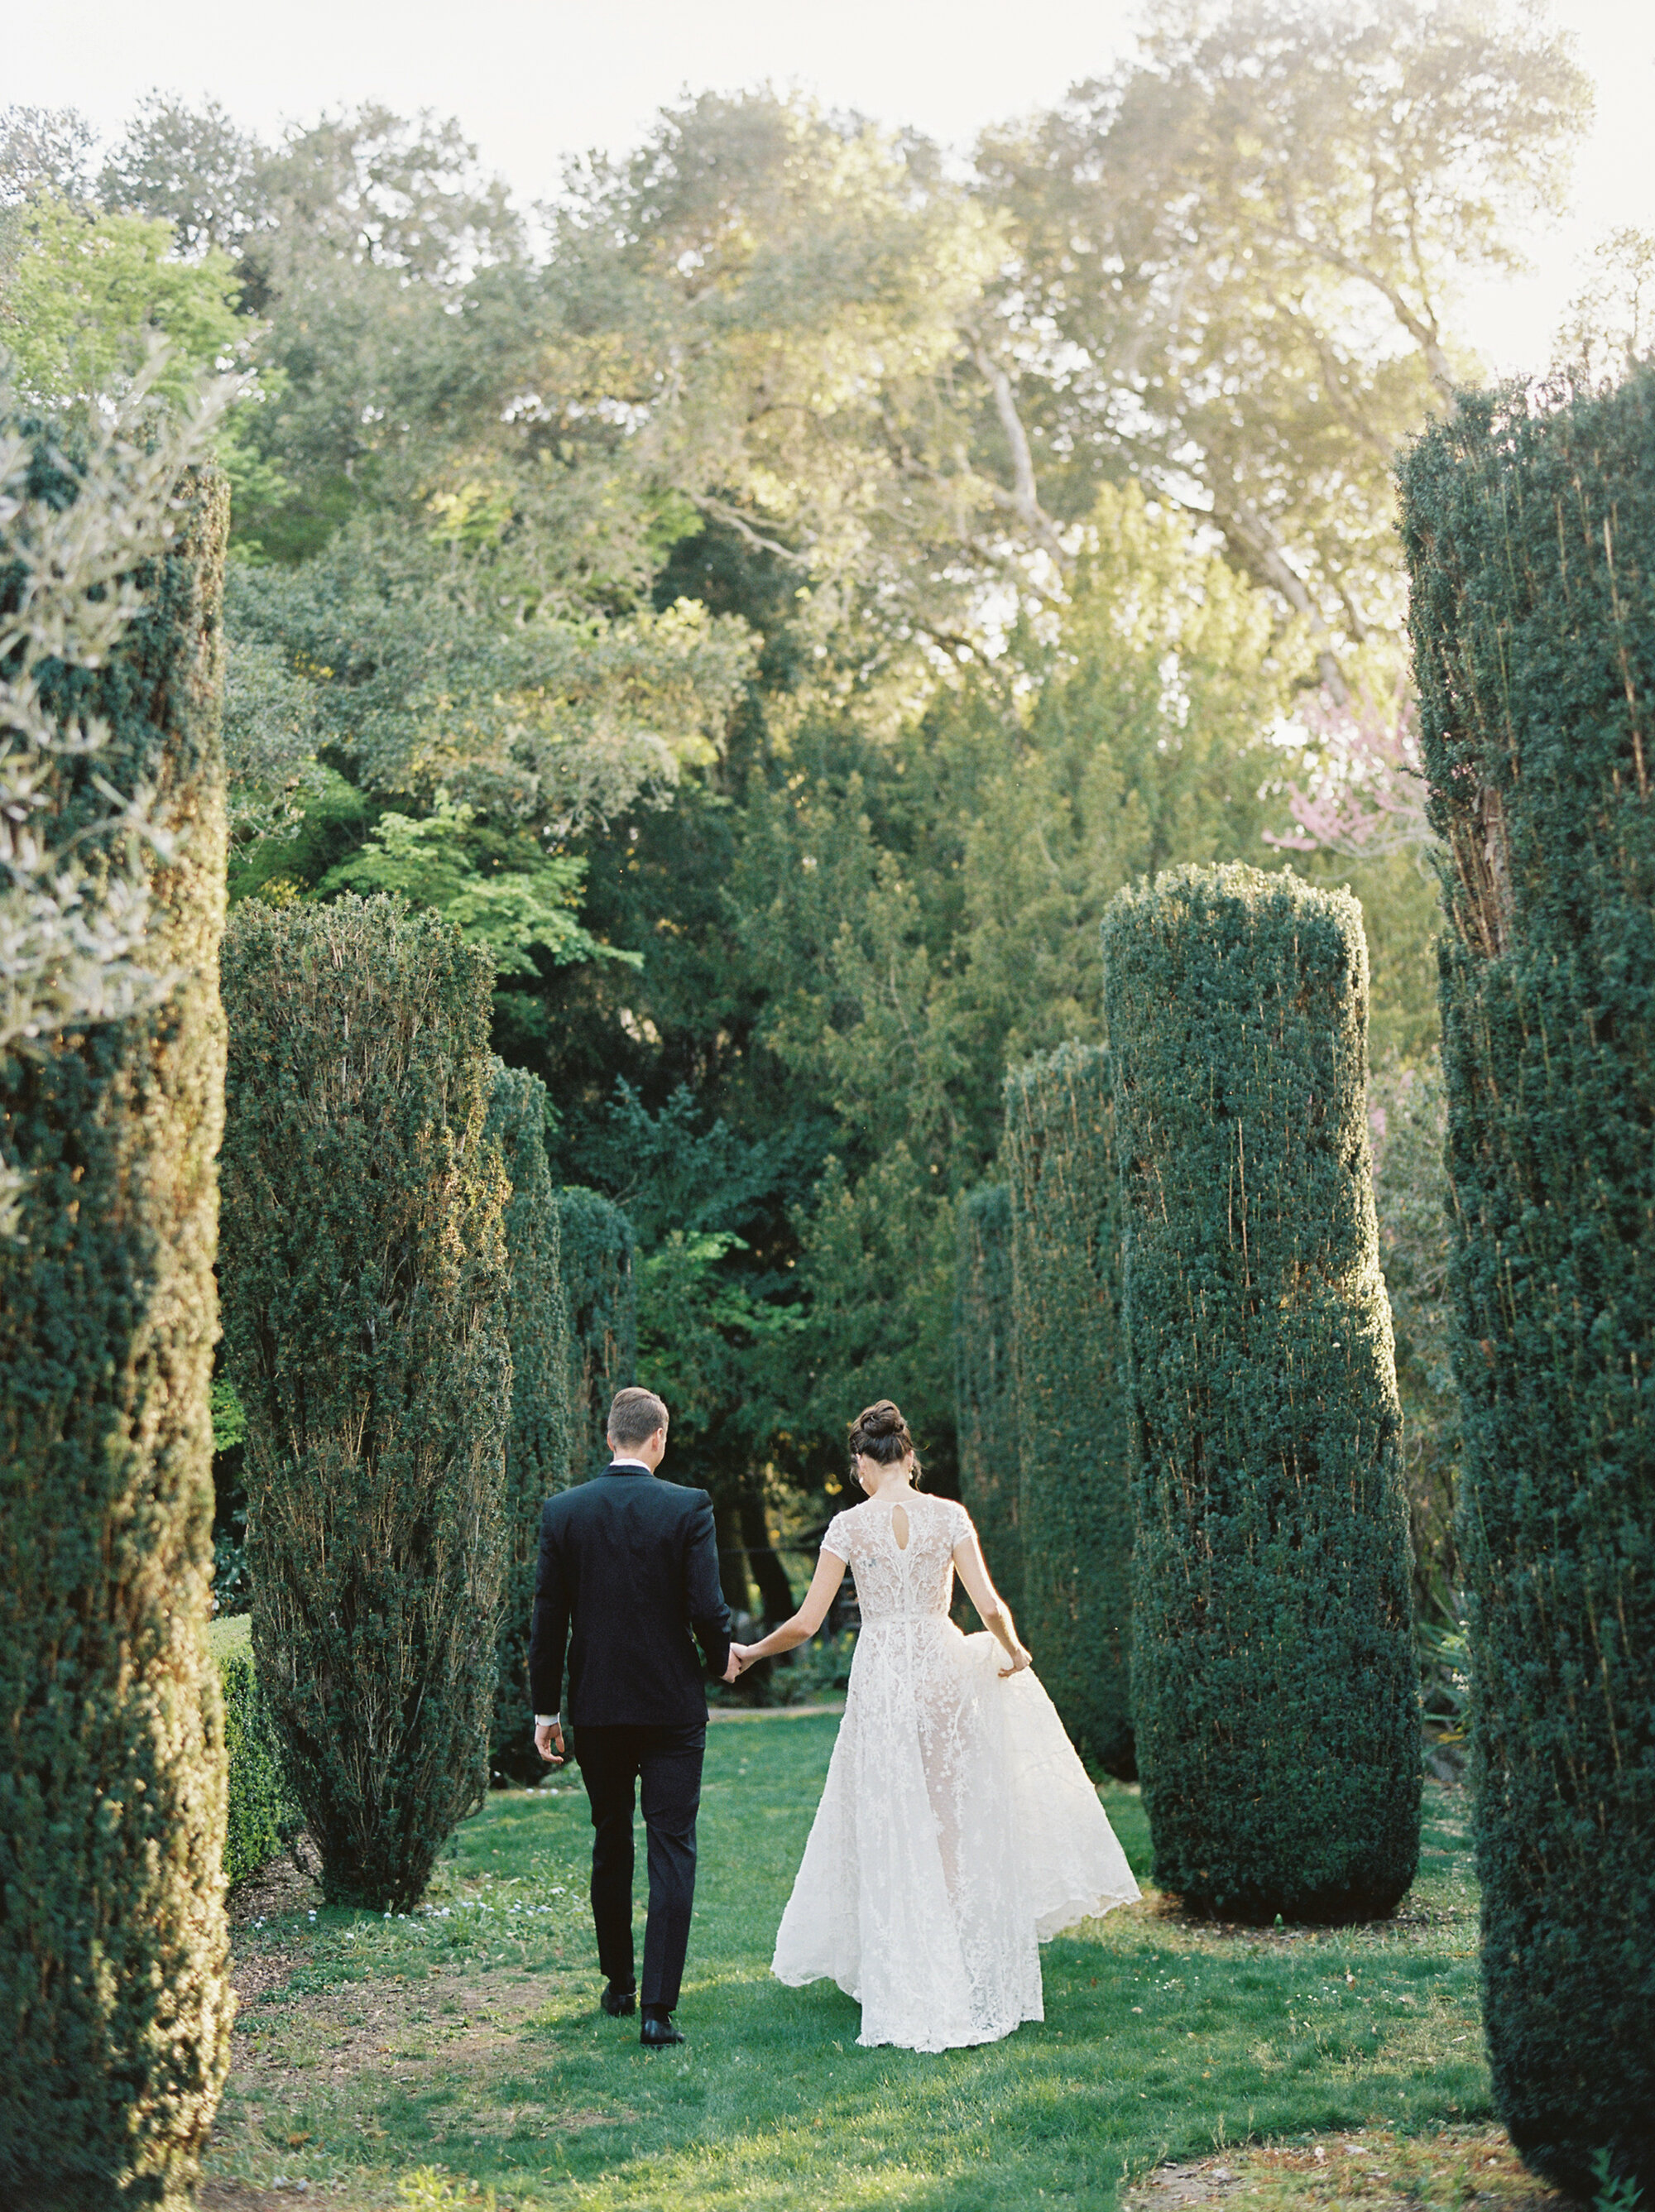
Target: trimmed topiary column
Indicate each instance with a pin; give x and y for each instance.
(1530, 532)
(600, 1300)
(1073, 1511)
(1275, 1680)
(985, 1386)
(537, 1441)
(365, 1330)
(114, 2010)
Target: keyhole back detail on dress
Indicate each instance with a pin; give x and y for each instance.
(899, 1526)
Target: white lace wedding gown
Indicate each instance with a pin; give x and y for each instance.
(957, 1830)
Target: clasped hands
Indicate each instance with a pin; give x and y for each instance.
(549, 1735)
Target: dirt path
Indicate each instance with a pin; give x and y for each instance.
(1472, 2168)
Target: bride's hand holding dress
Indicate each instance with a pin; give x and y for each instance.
(957, 1829)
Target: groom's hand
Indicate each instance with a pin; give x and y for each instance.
(732, 1665)
(546, 1734)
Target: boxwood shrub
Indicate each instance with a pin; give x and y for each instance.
(262, 1813)
(366, 1334)
(1529, 523)
(1275, 1681)
(1074, 1515)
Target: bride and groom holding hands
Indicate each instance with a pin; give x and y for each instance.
(957, 1829)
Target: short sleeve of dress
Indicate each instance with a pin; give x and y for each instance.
(961, 1528)
(837, 1539)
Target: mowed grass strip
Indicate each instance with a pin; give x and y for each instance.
(468, 2037)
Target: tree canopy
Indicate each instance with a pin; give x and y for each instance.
(777, 593)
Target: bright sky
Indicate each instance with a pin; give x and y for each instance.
(532, 81)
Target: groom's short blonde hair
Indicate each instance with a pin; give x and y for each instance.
(634, 1416)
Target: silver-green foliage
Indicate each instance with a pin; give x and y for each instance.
(75, 883)
(114, 2007)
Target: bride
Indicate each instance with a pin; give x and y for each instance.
(957, 1830)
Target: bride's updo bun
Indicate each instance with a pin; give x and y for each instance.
(879, 1432)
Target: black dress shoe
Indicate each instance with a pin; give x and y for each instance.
(657, 2031)
(618, 2002)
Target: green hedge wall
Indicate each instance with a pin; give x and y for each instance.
(1275, 1680)
(365, 1332)
(985, 1385)
(537, 1441)
(262, 1815)
(1072, 1509)
(600, 1299)
(114, 2014)
(1530, 532)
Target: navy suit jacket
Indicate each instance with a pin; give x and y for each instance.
(627, 1582)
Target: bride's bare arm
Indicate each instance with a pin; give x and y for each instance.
(992, 1609)
(830, 1573)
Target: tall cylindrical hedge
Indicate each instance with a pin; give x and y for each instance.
(537, 1441)
(1275, 1680)
(600, 1299)
(1073, 1511)
(1529, 530)
(365, 1330)
(114, 2009)
(985, 1383)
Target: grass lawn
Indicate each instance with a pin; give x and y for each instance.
(461, 2051)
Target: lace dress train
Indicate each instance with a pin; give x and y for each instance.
(957, 1830)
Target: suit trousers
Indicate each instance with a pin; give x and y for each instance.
(668, 1762)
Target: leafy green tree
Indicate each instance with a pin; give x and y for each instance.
(877, 1261)
(763, 531)
(81, 293)
(1232, 266)
(921, 911)
(43, 151)
(1145, 743)
(777, 296)
(431, 665)
(192, 168)
(720, 1354)
(1609, 325)
(515, 911)
(597, 1258)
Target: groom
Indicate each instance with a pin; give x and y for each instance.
(629, 1564)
